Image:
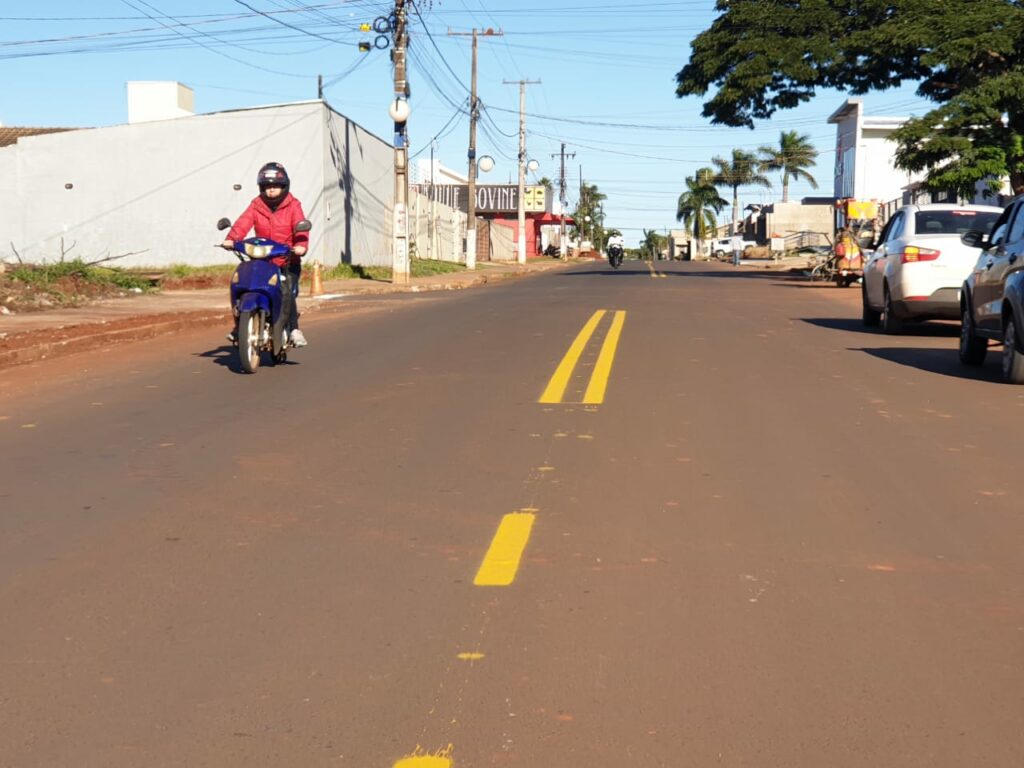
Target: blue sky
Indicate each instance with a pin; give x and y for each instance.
(606, 70)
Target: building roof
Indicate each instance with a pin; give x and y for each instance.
(10, 135)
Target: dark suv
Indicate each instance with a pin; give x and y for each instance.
(992, 298)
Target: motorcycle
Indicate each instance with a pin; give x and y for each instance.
(615, 255)
(257, 300)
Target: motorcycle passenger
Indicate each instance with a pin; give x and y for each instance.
(273, 215)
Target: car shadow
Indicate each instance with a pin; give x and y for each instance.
(944, 362)
(932, 330)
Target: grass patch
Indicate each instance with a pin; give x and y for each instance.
(43, 276)
(417, 268)
(184, 271)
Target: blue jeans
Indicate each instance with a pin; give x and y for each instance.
(736, 258)
(294, 273)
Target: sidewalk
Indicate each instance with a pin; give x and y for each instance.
(32, 336)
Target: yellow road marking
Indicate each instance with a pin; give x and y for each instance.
(653, 271)
(470, 656)
(599, 380)
(560, 380)
(440, 759)
(502, 559)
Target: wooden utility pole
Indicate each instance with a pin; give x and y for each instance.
(400, 113)
(562, 254)
(521, 209)
(474, 114)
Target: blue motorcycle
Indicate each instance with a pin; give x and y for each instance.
(257, 300)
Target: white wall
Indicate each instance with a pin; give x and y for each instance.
(160, 187)
(158, 100)
(358, 192)
(878, 178)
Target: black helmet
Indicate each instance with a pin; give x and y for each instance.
(273, 175)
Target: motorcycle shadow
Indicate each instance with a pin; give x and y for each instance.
(226, 356)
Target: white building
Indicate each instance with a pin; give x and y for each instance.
(156, 189)
(865, 157)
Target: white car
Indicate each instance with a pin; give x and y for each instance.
(919, 263)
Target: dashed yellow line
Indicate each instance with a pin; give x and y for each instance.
(653, 271)
(501, 563)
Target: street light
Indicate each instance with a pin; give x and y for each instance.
(485, 163)
(399, 111)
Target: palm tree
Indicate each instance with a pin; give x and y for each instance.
(652, 243)
(792, 156)
(698, 205)
(744, 170)
(590, 204)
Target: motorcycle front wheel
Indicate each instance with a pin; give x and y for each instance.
(250, 323)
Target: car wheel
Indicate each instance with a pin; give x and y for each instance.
(872, 317)
(973, 348)
(890, 323)
(1013, 360)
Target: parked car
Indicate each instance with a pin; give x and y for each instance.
(919, 263)
(992, 296)
(721, 249)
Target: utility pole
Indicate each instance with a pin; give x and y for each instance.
(400, 114)
(562, 202)
(521, 209)
(473, 116)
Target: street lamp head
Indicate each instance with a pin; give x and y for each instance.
(486, 163)
(532, 166)
(399, 110)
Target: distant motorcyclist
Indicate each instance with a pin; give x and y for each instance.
(615, 250)
(273, 215)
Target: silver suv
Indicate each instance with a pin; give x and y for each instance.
(992, 297)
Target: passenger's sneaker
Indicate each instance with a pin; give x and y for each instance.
(298, 339)
(233, 336)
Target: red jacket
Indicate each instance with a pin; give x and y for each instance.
(276, 225)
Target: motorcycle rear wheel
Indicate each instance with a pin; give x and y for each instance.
(250, 323)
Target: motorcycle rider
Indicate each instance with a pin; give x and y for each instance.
(273, 214)
(615, 245)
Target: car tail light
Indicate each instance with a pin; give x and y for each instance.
(912, 253)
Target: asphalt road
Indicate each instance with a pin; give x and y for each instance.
(729, 527)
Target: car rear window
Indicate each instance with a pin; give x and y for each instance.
(954, 222)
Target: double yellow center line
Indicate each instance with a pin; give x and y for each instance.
(594, 395)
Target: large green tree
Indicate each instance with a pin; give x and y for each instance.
(793, 155)
(698, 206)
(760, 56)
(743, 169)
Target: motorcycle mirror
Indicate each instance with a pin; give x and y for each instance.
(224, 224)
(303, 226)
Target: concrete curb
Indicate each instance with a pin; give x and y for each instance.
(84, 338)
